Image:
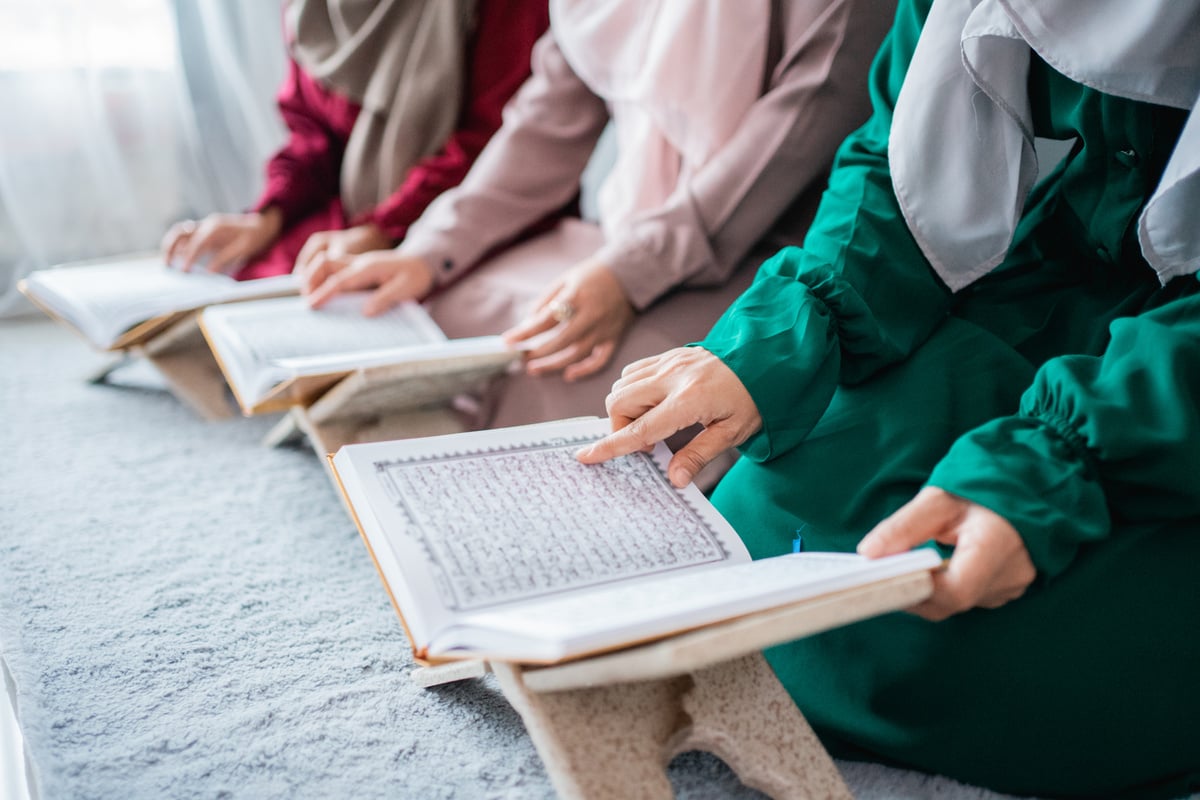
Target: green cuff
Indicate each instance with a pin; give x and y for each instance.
(778, 339)
(1039, 477)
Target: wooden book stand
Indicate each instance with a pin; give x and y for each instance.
(607, 726)
(374, 404)
(177, 349)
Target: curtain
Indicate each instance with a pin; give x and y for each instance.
(120, 117)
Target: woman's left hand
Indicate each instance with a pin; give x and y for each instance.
(990, 565)
(590, 311)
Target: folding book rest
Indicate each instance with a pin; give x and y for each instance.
(375, 404)
(608, 725)
(180, 353)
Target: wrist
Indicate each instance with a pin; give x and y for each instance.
(389, 229)
(374, 238)
(425, 276)
(1037, 478)
(270, 223)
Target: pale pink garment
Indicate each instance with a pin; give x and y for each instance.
(741, 205)
(671, 111)
(501, 288)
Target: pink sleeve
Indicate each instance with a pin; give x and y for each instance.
(499, 64)
(816, 96)
(529, 169)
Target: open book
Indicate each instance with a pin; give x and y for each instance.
(119, 304)
(278, 353)
(500, 545)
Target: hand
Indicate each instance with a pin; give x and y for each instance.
(395, 278)
(339, 245)
(990, 565)
(588, 336)
(226, 240)
(663, 394)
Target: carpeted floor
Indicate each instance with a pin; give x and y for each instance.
(187, 614)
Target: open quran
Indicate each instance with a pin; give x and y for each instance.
(123, 303)
(280, 353)
(500, 545)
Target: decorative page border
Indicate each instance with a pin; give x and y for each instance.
(415, 531)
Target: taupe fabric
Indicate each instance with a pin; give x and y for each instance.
(403, 62)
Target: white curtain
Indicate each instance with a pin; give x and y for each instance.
(119, 117)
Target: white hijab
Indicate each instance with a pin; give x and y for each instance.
(962, 194)
(678, 78)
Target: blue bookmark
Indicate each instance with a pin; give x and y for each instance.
(798, 542)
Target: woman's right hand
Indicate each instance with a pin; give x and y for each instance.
(224, 241)
(663, 394)
(394, 277)
(340, 245)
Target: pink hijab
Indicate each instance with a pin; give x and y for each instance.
(678, 78)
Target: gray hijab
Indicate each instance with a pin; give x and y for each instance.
(963, 195)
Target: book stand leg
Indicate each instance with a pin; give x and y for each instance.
(374, 405)
(396, 401)
(286, 431)
(328, 435)
(114, 363)
(607, 725)
(182, 356)
(196, 386)
(615, 741)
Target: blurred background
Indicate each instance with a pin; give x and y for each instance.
(120, 117)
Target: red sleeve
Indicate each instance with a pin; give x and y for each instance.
(304, 175)
(499, 64)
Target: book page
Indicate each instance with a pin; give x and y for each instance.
(532, 521)
(104, 300)
(287, 330)
(631, 612)
(477, 521)
(263, 344)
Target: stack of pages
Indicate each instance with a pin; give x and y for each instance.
(120, 304)
(278, 353)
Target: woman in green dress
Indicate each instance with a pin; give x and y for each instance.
(1006, 362)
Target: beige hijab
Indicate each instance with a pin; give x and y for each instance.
(403, 62)
(679, 77)
(961, 148)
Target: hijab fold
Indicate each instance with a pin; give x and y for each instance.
(678, 78)
(403, 61)
(963, 195)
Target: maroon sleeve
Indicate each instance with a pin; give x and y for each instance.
(304, 175)
(499, 64)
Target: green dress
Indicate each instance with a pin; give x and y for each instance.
(1062, 391)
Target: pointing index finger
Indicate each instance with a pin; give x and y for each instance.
(644, 432)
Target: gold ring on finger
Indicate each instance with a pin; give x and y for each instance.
(561, 311)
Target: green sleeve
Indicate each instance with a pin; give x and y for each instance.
(859, 294)
(1097, 440)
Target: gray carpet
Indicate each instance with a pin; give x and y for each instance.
(187, 614)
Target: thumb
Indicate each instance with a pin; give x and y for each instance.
(925, 517)
(696, 454)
